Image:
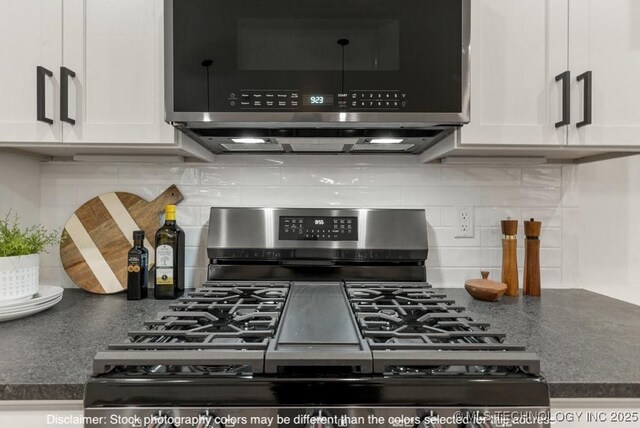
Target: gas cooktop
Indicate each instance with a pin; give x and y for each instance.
(246, 327)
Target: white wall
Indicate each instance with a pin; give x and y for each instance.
(20, 188)
(324, 181)
(608, 228)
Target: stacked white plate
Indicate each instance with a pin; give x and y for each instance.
(46, 297)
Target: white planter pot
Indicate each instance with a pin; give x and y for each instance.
(19, 276)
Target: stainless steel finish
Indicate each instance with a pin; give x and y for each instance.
(348, 120)
(378, 229)
(451, 416)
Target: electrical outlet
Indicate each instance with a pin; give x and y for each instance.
(463, 224)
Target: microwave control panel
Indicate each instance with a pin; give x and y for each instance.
(318, 228)
(295, 100)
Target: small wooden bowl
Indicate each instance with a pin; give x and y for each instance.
(485, 289)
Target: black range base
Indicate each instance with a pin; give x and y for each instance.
(303, 350)
(325, 352)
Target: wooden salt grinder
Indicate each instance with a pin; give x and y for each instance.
(532, 258)
(510, 256)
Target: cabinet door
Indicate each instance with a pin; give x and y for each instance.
(517, 50)
(115, 47)
(605, 39)
(31, 35)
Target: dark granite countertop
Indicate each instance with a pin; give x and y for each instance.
(588, 343)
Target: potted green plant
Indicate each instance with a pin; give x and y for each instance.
(19, 257)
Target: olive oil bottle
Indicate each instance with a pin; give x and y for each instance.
(169, 283)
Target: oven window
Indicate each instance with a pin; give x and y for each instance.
(318, 44)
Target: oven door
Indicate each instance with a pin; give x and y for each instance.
(401, 61)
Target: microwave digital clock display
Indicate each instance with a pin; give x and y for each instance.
(318, 100)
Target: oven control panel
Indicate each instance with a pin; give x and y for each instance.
(318, 228)
(296, 100)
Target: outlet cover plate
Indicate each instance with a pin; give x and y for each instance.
(463, 223)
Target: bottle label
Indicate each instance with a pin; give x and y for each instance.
(164, 265)
(134, 264)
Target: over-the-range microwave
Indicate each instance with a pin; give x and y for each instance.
(312, 76)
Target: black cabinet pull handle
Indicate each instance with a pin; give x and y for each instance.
(588, 91)
(41, 113)
(65, 73)
(566, 98)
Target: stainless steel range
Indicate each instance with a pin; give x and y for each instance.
(316, 317)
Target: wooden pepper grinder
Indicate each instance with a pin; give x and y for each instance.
(532, 258)
(510, 256)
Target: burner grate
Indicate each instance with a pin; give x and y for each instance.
(227, 316)
(394, 316)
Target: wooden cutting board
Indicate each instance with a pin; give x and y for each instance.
(98, 236)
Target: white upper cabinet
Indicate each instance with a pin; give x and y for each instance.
(517, 50)
(605, 40)
(31, 37)
(115, 49)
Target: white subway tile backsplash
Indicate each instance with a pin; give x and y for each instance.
(521, 196)
(401, 176)
(480, 176)
(220, 176)
(318, 176)
(212, 196)
(85, 193)
(550, 217)
(151, 174)
(460, 257)
(491, 216)
(260, 176)
(55, 276)
(550, 278)
(196, 257)
(551, 238)
(378, 197)
(443, 237)
(551, 257)
(195, 236)
(54, 195)
(434, 216)
(188, 216)
(70, 174)
(542, 176)
(337, 181)
(440, 196)
(570, 190)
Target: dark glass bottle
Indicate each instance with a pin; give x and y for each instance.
(138, 268)
(169, 283)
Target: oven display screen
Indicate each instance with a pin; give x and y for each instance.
(318, 100)
(318, 228)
